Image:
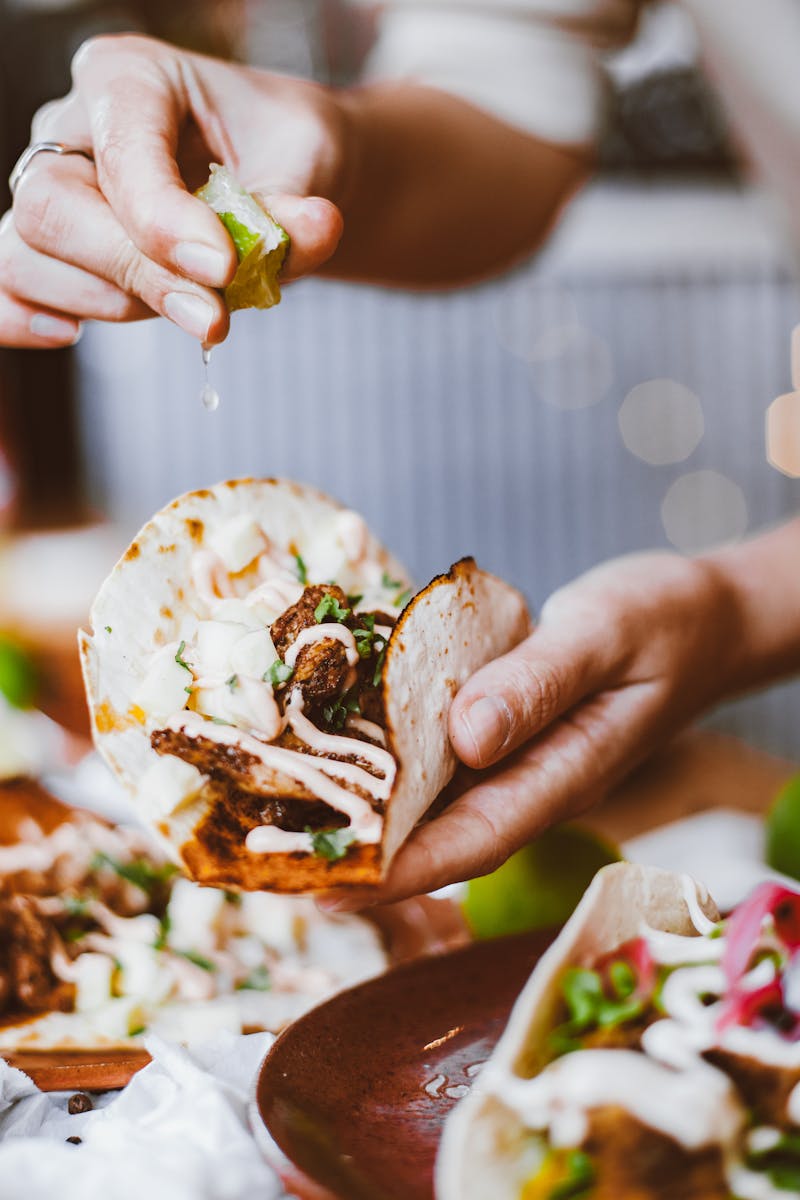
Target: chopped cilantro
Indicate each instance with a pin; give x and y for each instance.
(136, 1030)
(188, 690)
(302, 572)
(579, 1177)
(376, 677)
(232, 682)
(402, 598)
(590, 1007)
(234, 898)
(278, 674)
(336, 714)
(199, 960)
(179, 659)
(367, 640)
(623, 978)
(331, 843)
(390, 584)
(108, 629)
(354, 601)
(163, 933)
(329, 606)
(779, 1162)
(139, 871)
(257, 981)
(76, 906)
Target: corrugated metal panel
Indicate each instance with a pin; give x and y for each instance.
(427, 413)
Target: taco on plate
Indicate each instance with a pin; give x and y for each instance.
(653, 1055)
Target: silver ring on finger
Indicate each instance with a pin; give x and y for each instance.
(28, 155)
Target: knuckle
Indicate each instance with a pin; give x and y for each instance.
(538, 691)
(124, 268)
(98, 48)
(37, 215)
(46, 120)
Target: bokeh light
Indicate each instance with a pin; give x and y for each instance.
(783, 434)
(702, 509)
(661, 421)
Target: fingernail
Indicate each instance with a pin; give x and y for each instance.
(55, 329)
(487, 723)
(190, 312)
(340, 904)
(203, 263)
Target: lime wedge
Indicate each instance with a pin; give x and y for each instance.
(538, 886)
(260, 242)
(783, 830)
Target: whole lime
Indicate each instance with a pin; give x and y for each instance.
(783, 830)
(17, 674)
(538, 886)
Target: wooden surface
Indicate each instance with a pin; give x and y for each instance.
(698, 771)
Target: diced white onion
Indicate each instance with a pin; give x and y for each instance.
(168, 784)
(237, 542)
(162, 692)
(253, 654)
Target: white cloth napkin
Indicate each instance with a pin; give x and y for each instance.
(179, 1131)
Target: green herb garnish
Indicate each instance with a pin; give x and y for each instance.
(780, 1162)
(402, 598)
(302, 572)
(354, 601)
(278, 674)
(139, 871)
(331, 843)
(199, 960)
(76, 906)
(232, 682)
(391, 585)
(108, 629)
(376, 677)
(580, 1177)
(329, 606)
(179, 659)
(257, 981)
(336, 714)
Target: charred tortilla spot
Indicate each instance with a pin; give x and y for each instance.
(132, 552)
(166, 613)
(195, 528)
(167, 549)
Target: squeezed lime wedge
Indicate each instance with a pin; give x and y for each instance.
(261, 243)
(783, 830)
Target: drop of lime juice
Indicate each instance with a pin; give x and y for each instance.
(209, 396)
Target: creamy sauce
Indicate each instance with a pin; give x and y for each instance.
(695, 1108)
(278, 593)
(367, 728)
(331, 743)
(310, 772)
(210, 579)
(321, 633)
(693, 895)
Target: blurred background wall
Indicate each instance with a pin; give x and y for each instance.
(606, 397)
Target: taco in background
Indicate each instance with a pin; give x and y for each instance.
(654, 1054)
(102, 940)
(270, 691)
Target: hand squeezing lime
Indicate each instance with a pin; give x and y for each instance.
(261, 243)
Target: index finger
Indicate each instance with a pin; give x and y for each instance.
(136, 100)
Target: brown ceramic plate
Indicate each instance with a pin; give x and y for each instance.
(85, 1071)
(354, 1094)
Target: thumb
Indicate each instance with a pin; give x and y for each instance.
(517, 696)
(315, 226)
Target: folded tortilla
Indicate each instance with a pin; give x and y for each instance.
(488, 1149)
(297, 786)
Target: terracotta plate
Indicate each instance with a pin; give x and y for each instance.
(86, 1071)
(353, 1095)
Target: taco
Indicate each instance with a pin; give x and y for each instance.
(271, 692)
(102, 940)
(654, 1053)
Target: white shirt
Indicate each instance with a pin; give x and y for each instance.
(537, 64)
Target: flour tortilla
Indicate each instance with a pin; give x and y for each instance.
(482, 1152)
(460, 621)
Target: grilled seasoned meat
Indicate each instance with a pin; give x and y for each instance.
(290, 624)
(764, 1087)
(27, 980)
(633, 1160)
(321, 671)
